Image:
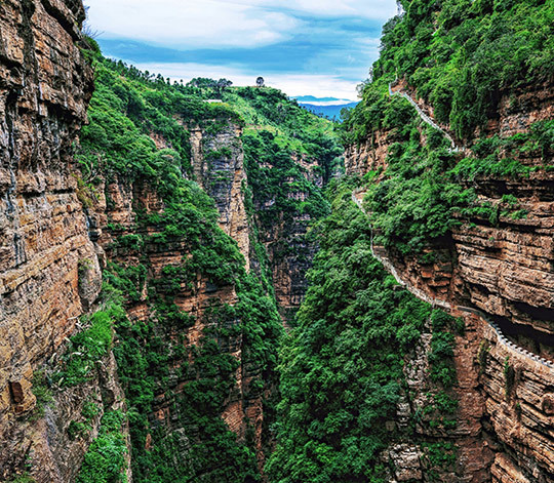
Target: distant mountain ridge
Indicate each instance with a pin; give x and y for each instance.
(329, 111)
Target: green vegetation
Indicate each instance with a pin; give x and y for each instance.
(145, 362)
(483, 355)
(88, 347)
(426, 190)
(442, 349)
(270, 112)
(274, 176)
(105, 458)
(289, 155)
(24, 473)
(128, 111)
(42, 392)
(81, 429)
(462, 54)
(461, 57)
(342, 367)
(509, 376)
(518, 410)
(414, 205)
(440, 456)
(23, 477)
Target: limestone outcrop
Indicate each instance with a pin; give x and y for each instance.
(218, 164)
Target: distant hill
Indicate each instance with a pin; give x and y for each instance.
(330, 112)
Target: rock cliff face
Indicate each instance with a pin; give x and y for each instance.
(503, 269)
(283, 228)
(464, 431)
(57, 236)
(45, 85)
(368, 156)
(289, 248)
(43, 444)
(218, 164)
(243, 408)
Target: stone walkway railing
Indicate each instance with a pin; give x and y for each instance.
(455, 148)
(444, 304)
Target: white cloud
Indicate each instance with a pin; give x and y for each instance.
(320, 86)
(374, 9)
(330, 55)
(316, 85)
(338, 102)
(184, 24)
(189, 23)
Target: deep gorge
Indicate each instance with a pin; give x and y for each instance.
(240, 291)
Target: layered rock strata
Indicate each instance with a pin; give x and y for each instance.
(45, 86)
(504, 272)
(218, 165)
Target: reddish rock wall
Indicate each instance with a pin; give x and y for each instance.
(45, 86)
(119, 217)
(506, 271)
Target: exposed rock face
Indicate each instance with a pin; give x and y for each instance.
(519, 413)
(244, 406)
(56, 238)
(44, 444)
(291, 256)
(504, 270)
(285, 236)
(45, 85)
(407, 459)
(218, 164)
(410, 459)
(368, 156)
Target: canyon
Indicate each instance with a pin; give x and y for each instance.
(63, 226)
(165, 264)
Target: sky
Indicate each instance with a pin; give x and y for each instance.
(316, 48)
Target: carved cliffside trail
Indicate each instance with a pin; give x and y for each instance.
(455, 148)
(389, 266)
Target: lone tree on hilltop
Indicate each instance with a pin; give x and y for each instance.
(260, 82)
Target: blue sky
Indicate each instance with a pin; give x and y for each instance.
(320, 48)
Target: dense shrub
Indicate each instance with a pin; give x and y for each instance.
(342, 367)
(128, 111)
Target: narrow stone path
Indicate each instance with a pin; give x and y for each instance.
(455, 148)
(387, 264)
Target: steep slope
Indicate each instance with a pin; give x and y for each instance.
(210, 327)
(373, 384)
(136, 337)
(45, 85)
(290, 155)
(451, 150)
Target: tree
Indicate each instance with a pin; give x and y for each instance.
(260, 82)
(202, 82)
(223, 83)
